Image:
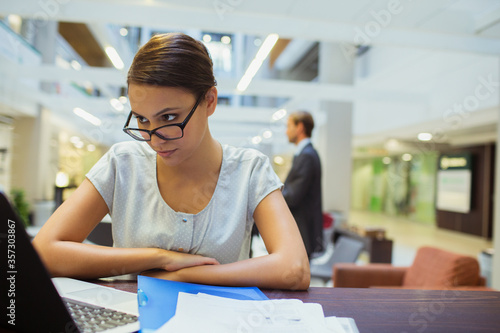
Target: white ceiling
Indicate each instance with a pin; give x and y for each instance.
(425, 57)
(442, 24)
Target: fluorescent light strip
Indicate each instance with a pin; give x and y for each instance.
(114, 57)
(87, 116)
(254, 66)
(267, 46)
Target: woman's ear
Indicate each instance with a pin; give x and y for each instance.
(211, 99)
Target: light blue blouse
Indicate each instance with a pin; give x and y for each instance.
(126, 179)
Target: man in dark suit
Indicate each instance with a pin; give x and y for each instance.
(302, 189)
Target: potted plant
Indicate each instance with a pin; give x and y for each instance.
(21, 205)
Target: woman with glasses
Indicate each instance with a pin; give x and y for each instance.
(182, 204)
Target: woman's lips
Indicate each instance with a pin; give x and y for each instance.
(166, 153)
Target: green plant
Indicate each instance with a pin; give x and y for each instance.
(21, 205)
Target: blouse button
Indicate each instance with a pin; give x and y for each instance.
(184, 220)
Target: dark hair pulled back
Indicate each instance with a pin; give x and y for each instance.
(173, 60)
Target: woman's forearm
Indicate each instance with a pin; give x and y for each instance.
(268, 271)
(79, 260)
(87, 261)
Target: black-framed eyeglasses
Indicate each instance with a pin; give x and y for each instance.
(165, 132)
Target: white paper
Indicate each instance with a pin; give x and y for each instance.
(207, 313)
(341, 324)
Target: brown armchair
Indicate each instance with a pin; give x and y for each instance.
(432, 268)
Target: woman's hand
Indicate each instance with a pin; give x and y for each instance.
(176, 260)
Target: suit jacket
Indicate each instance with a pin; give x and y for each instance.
(302, 192)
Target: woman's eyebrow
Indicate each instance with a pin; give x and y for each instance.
(168, 109)
(162, 111)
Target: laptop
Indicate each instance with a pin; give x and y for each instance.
(33, 302)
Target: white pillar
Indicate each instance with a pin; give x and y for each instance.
(24, 161)
(335, 135)
(33, 156)
(238, 43)
(495, 274)
(46, 43)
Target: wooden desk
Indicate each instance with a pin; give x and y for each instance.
(398, 310)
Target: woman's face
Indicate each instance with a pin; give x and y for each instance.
(154, 106)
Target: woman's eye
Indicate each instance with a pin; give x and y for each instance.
(169, 117)
(140, 119)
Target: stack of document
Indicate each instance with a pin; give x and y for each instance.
(157, 298)
(208, 313)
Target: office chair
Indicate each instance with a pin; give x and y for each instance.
(101, 235)
(346, 250)
(328, 227)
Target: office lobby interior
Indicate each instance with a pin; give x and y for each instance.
(405, 97)
(407, 237)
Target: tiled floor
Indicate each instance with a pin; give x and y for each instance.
(408, 236)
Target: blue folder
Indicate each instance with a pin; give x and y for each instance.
(157, 298)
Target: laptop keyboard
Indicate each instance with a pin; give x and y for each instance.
(93, 318)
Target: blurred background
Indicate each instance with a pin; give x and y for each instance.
(402, 92)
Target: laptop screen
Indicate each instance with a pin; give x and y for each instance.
(30, 302)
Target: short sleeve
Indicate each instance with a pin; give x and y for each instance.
(263, 180)
(103, 175)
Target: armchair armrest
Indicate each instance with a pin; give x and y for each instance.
(481, 281)
(365, 276)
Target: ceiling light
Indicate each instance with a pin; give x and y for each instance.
(76, 65)
(281, 113)
(62, 179)
(254, 66)
(74, 139)
(114, 57)
(87, 116)
(116, 104)
(425, 136)
(252, 69)
(406, 157)
(267, 134)
(61, 62)
(123, 99)
(124, 32)
(278, 160)
(267, 46)
(225, 39)
(392, 144)
(15, 22)
(207, 38)
(386, 160)
(256, 140)
(91, 147)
